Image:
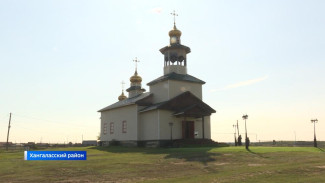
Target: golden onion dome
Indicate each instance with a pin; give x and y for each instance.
(135, 78)
(122, 96)
(175, 32)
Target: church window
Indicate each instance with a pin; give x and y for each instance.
(111, 128)
(105, 128)
(124, 126)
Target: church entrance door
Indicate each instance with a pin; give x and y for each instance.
(188, 129)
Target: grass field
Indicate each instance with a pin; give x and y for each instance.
(120, 164)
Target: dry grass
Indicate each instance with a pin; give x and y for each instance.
(119, 164)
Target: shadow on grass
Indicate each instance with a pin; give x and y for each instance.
(257, 154)
(320, 149)
(200, 154)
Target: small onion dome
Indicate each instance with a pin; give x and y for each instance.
(135, 78)
(175, 32)
(122, 96)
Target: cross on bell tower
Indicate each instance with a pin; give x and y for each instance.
(175, 34)
(136, 63)
(174, 14)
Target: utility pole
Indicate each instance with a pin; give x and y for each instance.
(8, 132)
(239, 136)
(245, 117)
(235, 135)
(315, 141)
(237, 128)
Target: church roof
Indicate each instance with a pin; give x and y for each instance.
(175, 46)
(178, 77)
(185, 104)
(153, 106)
(139, 99)
(135, 88)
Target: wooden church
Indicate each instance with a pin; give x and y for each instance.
(172, 109)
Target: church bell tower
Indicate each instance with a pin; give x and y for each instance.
(175, 53)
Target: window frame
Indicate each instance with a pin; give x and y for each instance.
(124, 126)
(105, 128)
(111, 128)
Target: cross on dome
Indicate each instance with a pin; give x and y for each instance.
(135, 78)
(122, 83)
(136, 62)
(174, 14)
(122, 96)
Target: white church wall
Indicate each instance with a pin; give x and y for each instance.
(179, 69)
(117, 116)
(160, 91)
(148, 125)
(165, 118)
(207, 127)
(198, 128)
(166, 90)
(178, 87)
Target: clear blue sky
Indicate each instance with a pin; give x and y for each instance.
(61, 61)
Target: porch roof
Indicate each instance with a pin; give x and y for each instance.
(185, 104)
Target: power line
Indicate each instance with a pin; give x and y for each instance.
(80, 127)
(52, 121)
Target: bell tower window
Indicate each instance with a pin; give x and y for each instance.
(173, 40)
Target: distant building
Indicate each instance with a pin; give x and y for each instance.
(172, 109)
(42, 144)
(89, 142)
(5, 143)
